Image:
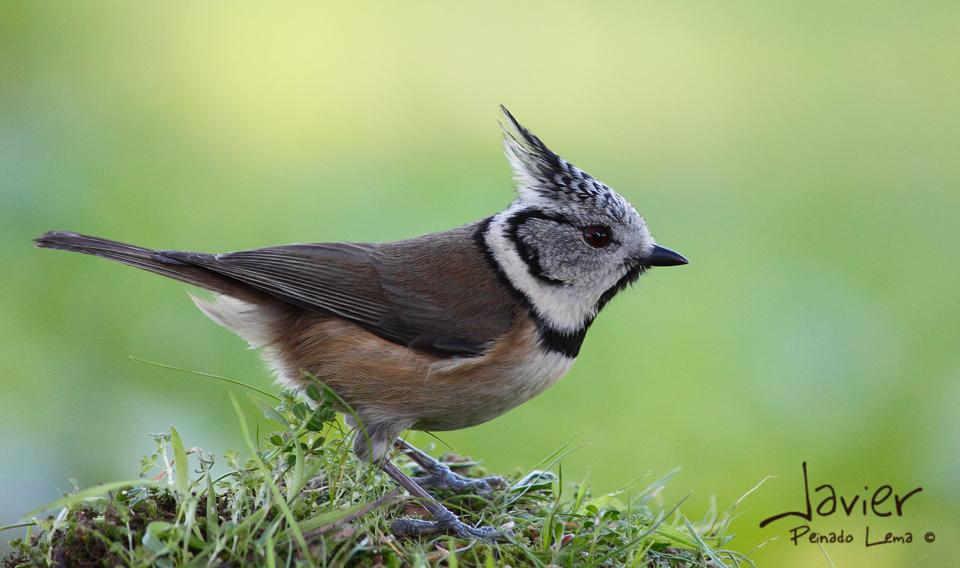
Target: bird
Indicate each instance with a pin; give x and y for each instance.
(439, 332)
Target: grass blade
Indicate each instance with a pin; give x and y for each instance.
(182, 477)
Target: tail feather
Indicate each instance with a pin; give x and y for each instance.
(149, 260)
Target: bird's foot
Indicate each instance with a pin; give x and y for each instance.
(440, 476)
(405, 526)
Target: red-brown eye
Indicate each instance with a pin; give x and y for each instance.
(596, 236)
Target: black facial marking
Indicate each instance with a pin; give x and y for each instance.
(564, 343)
(530, 256)
(480, 240)
(628, 279)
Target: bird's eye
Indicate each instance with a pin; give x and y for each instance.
(596, 236)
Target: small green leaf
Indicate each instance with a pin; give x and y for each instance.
(313, 393)
(602, 502)
(213, 525)
(581, 492)
(489, 562)
(182, 469)
(316, 423)
(452, 557)
(153, 537)
(301, 410)
(269, 411)
(536, 479)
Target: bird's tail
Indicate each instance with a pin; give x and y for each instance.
(146, 259)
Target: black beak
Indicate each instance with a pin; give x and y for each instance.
(660, 256)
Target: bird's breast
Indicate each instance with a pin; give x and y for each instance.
(517, 368)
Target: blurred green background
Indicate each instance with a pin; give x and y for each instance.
(805, 156)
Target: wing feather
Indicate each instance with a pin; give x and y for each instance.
(435, 293)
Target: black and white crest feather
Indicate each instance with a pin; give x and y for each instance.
(540, 172)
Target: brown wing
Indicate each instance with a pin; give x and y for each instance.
(436, 293)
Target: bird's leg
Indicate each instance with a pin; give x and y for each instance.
(444, 521)
(439, 476)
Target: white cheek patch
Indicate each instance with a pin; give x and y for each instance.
(564, 308)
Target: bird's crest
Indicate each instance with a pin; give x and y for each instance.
(542, 174)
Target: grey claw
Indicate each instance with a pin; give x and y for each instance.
(405, 526)
(441, 477)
